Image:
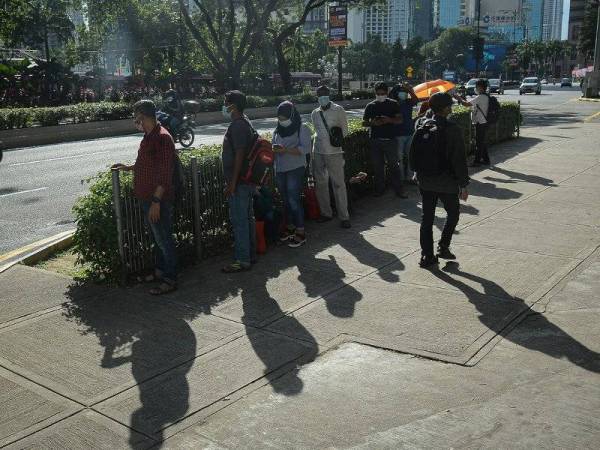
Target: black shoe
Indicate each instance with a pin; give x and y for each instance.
(428, 261)
(323, 219)
(445, 253)
(346, 224)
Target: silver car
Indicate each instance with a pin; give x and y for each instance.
(530, 84)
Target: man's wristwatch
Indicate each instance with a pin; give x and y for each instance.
(155, 199)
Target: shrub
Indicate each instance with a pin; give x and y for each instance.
(95, 240)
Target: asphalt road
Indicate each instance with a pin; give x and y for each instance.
(39, 185)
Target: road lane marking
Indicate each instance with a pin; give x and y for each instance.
(23, 192)
(55, 159)
(592, 117)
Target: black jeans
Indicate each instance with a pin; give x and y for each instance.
(481, 150)
(382, 151)
(452, 207)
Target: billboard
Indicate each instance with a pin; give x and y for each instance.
(493, 13)
(493, 56)
(338, 26)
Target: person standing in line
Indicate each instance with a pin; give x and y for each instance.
(382, 116)
(292, 141)
(479, 110)
(237, 144)
(406, 97)
(328, 159)
(437, 155)
(153, 186)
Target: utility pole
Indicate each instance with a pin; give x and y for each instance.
(340, 72)
(477, 47)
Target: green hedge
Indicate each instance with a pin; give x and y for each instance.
(80, 113)
(95, 239)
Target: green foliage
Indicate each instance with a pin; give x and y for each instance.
(96, 241)
(587, 35)
(80, 113)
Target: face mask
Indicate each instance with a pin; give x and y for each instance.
(402, 96)
(285, 123)
(324, 100)
(226, 112)
(380, 98)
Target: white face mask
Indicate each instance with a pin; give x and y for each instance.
(380, 98)
(285, 123)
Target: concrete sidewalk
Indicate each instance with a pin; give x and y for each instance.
(345, 342)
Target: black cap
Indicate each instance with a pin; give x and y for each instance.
(440, 100)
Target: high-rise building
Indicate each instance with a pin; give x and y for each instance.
(389, 20)
(448, 13)
(316, 20)
(421, 19)
(552, 20)
(576, 13)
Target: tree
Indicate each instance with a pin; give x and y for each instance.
(283, 32)
(445, 50)
(34, 23)
(398, 64)
(587, 34)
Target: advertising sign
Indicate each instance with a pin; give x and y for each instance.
(338, 26)
(493, 56)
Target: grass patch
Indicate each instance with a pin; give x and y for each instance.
(65, 263)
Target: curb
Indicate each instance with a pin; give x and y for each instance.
(38, 251)
(593, 100)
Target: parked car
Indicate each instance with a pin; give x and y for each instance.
(470, 86)
(566, 82)
(544, 81)
(496, 86)
(530, 84)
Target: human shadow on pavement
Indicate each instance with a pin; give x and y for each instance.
(153, 337)
(534, 179)
(490, 190)
(536, 332)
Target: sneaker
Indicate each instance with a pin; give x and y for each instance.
(236, 267)
(346, 224)
(286, 235)
(428, 261)
(445, 253)
(297, 240)
(323, 219)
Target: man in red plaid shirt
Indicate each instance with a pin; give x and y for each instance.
(153, 186)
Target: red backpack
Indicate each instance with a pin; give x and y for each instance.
(258, 165)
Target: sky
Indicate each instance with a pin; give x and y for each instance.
(565, 22)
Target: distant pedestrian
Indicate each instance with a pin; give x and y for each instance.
(291, 143)
(479, 112)
(437, 155)
(153, 186)
(237, 144)
(382, 116)
(406, 97)
(331, 125)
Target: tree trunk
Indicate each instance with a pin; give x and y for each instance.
(283, 66)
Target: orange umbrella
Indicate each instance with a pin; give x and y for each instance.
(427, 89)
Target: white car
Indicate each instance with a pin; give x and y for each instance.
(530, 84)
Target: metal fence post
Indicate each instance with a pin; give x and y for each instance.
(116, 190)
(519, 119)
(196, 207)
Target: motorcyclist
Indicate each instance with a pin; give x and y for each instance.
(174, 110)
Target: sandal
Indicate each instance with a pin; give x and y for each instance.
(236, 267)
(163, 288)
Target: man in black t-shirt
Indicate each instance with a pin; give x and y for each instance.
(383, 115)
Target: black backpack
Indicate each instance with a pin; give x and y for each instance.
(428, 151)
(493, 110)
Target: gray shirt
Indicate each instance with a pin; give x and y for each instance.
(239, 137)
(301, 140)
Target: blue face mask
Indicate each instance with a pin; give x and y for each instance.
(226, 112)
(402, 96)
(324, 100)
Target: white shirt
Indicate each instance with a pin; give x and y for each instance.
(480, 108)
(335, 116)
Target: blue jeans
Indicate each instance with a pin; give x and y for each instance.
(290, 186)
(164, 244)
(403, 149)
(241, 214)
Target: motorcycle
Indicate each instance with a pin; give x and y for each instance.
(184, 133)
